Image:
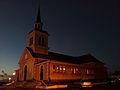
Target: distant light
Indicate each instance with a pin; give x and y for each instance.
(86, 84)
(9, 78)
(14, 73)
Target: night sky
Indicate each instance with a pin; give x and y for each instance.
(76, 27)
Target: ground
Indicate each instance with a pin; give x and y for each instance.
(98, 88)
(32, 86)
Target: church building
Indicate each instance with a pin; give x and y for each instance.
(38, 63)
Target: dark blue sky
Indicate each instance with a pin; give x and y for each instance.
(76, 27)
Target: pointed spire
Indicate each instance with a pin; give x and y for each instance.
(38, 16)
(38, 24)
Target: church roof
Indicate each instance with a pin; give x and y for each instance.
(66, 58)
(43, 31)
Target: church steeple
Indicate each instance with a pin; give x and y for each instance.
(38, 19)
(38, 38)
(38, 24)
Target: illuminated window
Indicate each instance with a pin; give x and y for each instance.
(71, 69)
(77, 69)
(64, 68)
(57, 67)
(60, 68)
(87, 71)
(74, 70)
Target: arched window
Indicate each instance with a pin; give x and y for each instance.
(41, 73)
(25, 73)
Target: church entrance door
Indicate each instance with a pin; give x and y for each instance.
(41, 73)
(25, 73)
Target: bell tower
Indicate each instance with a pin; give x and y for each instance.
(38, 38)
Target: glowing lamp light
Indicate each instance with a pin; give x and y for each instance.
(14, 73)
(9, 78)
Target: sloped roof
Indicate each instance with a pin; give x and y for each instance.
(39, 31)
(88, 58)
(65, 58)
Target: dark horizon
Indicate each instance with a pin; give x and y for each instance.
(76, 27)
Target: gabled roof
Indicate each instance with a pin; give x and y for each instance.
(65, 58)
(22, 58)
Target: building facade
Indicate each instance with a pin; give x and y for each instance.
(37, 63)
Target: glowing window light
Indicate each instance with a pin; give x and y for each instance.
(57, 67)
(87, 71)
(60, 67)
(71, 69)
(74, 71)
(64, 68)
